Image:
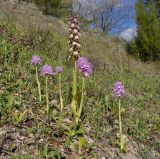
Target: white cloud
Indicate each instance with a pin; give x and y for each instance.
(128, 34)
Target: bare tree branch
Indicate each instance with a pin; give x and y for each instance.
(104, 14)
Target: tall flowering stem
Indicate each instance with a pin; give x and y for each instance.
(38, 84)
(81, 64)
(74, 34)
(81, 103)
(119, 92)
(74, 91)
(47, 98)
(47, 71)
(60, 94)
(85, 68)
(59, 69)
(35, 61)
(82, 96)
(120, 126)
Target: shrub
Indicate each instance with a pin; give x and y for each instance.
(148, 31)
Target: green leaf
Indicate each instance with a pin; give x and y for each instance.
(81, 143)
(10, 101)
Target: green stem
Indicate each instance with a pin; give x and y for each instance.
(5, 54)
(47, 100)
(74, 91)
(82, 99)
(60, 120)
(39, 86)
(75, 80)
(120, 126)
(60, 93)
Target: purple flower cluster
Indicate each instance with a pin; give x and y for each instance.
(47, 70)
(35, 60)
(84, 66)
(59, 69)
(118, 89)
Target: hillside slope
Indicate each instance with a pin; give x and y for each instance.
(25, 31)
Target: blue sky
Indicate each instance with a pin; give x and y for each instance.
(130, 30)
(131, 2)
(126, 27)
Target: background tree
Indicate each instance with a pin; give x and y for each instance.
(106, 15)
(148, 30)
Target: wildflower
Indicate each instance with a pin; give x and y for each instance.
(75, 53)
(84, 66)
(74, 43)
(78, 45)
(71, 36)
(59, 69)
(47, 70)
(118, 89)
(75, 31)
(35, 60)
(74, 35)
(73, 25)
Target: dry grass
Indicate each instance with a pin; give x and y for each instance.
(107, 53)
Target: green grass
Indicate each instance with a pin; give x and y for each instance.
(21, 157)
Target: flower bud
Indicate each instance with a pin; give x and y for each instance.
(71, 36)
(75, 31)
(72, 25)
(76, 37)
(78, 45)
(69, 30)
(74, 43)
(75, 53)
(75, 20)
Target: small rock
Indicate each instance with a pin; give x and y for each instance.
(74, 155)
(66, 120)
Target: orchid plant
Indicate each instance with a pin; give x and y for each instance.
(36, 60)
(119, 92)
(81, 64)
(85, 68)
(47, 71)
